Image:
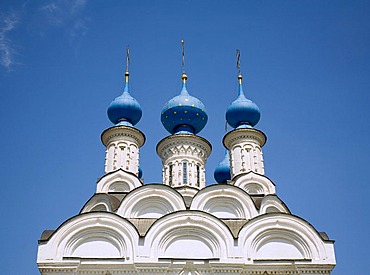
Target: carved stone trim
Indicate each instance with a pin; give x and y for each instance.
(245, 133)
(171, 266)
(184, 140)
(123, 131)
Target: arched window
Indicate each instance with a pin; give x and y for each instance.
(184, 172)
(170, 174)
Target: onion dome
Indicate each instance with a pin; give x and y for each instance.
(222, 171)
(140, 173)
(125, 110)
(242, 113)
(184, 114)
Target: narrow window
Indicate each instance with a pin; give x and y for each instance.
(170, 175)
(184, 173)
(198, 175)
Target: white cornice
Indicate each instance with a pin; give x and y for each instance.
(245, 133)
(117, 132)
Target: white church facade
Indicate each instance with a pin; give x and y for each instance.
(237, 226)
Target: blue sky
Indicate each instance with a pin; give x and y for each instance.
(305, 63)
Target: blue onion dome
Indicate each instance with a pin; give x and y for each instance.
(222, 171)
(184, 114)
(140, 173)
(125, 110)
(242, 113)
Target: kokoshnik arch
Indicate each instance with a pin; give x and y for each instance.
(237, 226)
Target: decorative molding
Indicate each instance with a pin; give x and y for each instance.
(123, 131)
(184, 140)
(183, 157)
(244, 134)
(171, 267)
(245, 147)
(122, 151)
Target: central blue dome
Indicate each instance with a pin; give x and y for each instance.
(184, 113)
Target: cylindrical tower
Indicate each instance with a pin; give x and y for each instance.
(123, 141)
(244, 142)
(245, 146)
(183, 158)
(183, 153)
(123, 148)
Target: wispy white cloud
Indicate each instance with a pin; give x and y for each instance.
(69, 15)
(77, 6)
(54, 13)
(62, 12)
(79, 28)
(8, 21)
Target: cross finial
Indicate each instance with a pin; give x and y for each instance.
(127, 63)
(240, 77)
(183, 76)
(127, 57)
(238, 61)
(183, 56)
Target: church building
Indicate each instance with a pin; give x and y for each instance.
(183, 226)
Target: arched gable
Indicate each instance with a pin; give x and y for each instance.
(100, 202)
(159, 201)
(91, 235)
(254, 184)
(225, 202)
(282, 236)
(187, 192)
(118, 181)
(189, 234)
(273, 204)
